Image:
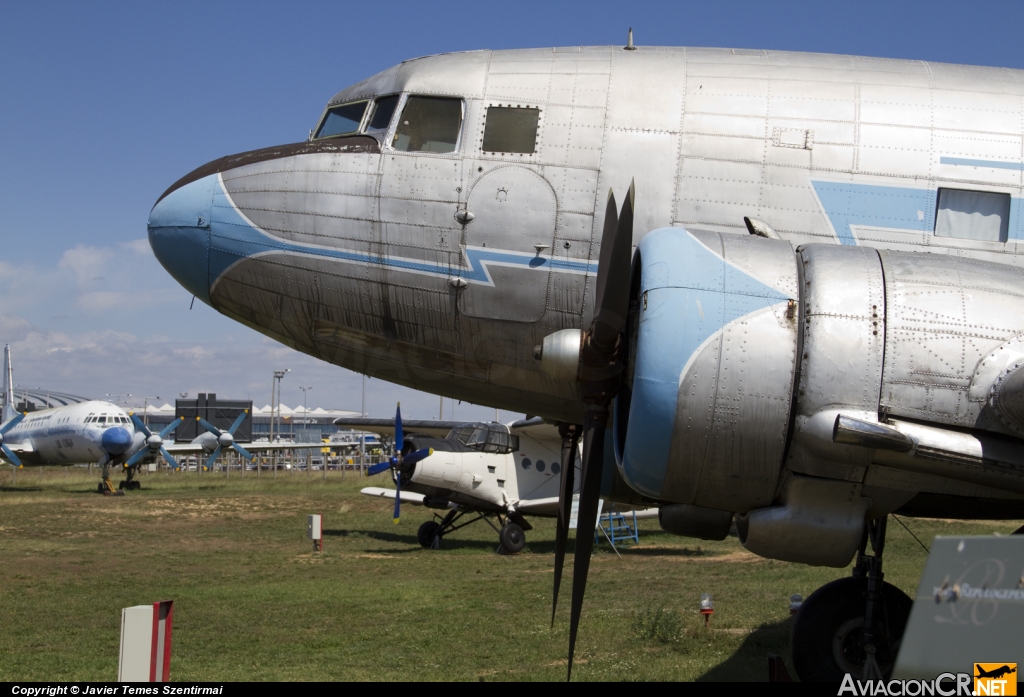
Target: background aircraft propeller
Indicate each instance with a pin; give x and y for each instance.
(601, 364)
(225, 439)
(398, 461)
(154, 442)
(8, 453)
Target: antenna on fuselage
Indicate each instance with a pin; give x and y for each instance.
(8, 407)
(629, 41)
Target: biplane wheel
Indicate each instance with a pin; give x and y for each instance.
(512, 538)
(427, 535)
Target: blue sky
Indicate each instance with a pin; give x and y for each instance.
(105, 104)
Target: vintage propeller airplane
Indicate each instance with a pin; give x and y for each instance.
(104, 433)
(805, 380)
(482, 471)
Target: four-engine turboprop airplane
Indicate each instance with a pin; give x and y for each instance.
(449, 215)
(104, 433)
(484, 470)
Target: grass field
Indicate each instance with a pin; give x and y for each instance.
(253, 603)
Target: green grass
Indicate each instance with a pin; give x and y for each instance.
(253, 603)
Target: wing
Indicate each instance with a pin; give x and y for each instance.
(251, 447)
(536, 428)
(406, 496)
(386, 427)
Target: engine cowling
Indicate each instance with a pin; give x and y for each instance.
(745, 356)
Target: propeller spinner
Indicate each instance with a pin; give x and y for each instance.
(154, 442)
(399, 461)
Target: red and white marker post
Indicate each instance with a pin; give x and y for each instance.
(146, 643)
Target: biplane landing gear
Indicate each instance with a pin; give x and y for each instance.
(130, 482)
(852, 625)
(511, 535)
(106, 487)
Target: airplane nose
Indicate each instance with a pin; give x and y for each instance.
(179, 233)
(116, 440)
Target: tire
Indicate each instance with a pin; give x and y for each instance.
(825, 641)
(512, 538)
(427, 535)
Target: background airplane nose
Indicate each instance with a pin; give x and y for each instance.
(116, 440)
(179, 233)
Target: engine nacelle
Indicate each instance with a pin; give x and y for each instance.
(804, 390)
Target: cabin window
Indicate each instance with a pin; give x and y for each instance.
(511, 129)
(383, 110)
(429, 124)
(342, 120)
(972, 215)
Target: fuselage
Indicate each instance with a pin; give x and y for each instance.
(75, 433)
(413, 248)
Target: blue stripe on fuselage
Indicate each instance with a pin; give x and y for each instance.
(890, 207)
(233, 238)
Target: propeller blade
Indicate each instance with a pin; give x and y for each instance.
(238, 421)
(586, 523)
(216, 453)
(137, 457)
(377, 469)
(613, 276)
(611, 225)
(570, 439)
(241, 451)
(399, 438)
(9, 454)
(141, 426)
(208, 426)
(414, 457)
(171, 426)
(398, 497)
(12, 423)
(169, 458)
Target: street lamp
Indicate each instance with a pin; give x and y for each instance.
(145, 409)
(305, 409)
(275, 405)
(118, 397)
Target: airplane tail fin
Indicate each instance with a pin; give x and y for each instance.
(8, 407)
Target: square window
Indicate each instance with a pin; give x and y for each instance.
(511, 129)
(973, 215)
(429, 124)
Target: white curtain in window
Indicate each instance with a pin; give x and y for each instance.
(973, 215)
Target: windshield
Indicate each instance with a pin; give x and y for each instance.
(342, 120)
(488, 438)
(383, 110)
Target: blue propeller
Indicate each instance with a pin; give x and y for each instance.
(154, 442)
(399, 461)
(225, 439)
(8, 453)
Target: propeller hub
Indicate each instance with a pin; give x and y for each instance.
(225, 439)
(559, 355)
(154, 442)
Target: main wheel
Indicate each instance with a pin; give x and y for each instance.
(427, 535)
(827, 633)
(512, 538)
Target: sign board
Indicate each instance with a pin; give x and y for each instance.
(574, 514)
(146, 643)
(969, 609)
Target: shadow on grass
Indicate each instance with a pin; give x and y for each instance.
(20, 488)
(750, 661)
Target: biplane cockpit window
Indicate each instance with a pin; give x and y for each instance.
(342, 120)
(429, 124)
(511, 129)
(488, 438)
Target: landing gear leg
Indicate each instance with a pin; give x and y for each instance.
(129, 482)
(852, 625)
(106, 487)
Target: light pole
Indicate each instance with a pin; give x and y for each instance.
(305, 409)
(362, 435)
(145, 409)
(275, 394)
(119, 397)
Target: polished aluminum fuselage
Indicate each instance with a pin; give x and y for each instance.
(350, 251)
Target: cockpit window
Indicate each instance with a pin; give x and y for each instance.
(342, 120)
(511, 129)
(488, 438)
(380, 117)
(429, 124)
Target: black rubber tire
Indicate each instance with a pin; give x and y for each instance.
(427, 535)
(825, 641)
(512, 538)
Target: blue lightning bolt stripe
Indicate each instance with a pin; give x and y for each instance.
(235, 238)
